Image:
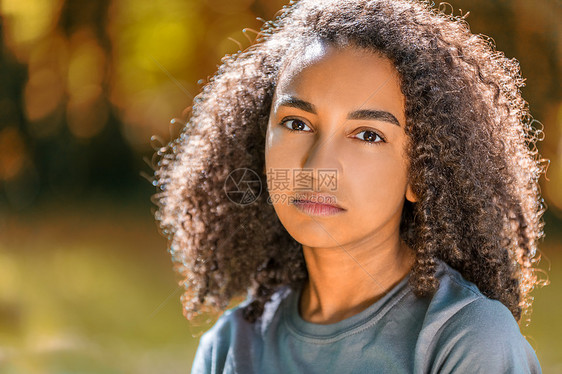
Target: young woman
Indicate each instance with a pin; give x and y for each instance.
(399, 228)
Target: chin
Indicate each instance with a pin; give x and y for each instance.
(317, 233)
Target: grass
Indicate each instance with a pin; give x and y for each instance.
(89, 290)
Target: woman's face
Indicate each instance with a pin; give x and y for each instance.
(348, 147)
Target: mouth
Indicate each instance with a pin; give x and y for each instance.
(318, 205)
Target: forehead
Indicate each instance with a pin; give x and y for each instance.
(301, 58)
(348, 75)
(320, 54)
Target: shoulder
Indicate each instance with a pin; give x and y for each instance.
(210, 356)
(473, 333)
(231, 332)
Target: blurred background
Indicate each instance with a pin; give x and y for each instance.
(87, 92)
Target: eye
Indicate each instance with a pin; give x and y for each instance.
(297, 124)
(370, 136)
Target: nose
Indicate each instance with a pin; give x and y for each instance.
(323, 161)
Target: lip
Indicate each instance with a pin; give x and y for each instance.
(312, 204)
(316, 209)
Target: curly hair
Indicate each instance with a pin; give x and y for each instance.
(474, 162)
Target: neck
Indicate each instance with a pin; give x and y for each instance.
(345, 280)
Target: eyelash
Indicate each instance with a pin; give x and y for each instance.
(383, 140)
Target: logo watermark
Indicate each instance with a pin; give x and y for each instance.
(243, 186)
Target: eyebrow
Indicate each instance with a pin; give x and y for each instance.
(363, 114)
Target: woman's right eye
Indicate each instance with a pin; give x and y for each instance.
(296, 125)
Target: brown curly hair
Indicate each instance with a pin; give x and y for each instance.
(474, 162)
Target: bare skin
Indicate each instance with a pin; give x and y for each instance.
(355, 256)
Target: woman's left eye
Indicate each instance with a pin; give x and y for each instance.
(370, 136)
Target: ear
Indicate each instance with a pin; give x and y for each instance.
(410, 196)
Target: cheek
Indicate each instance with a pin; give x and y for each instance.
(274, 149)
(281, 158)
(279, 163)
(377, 186)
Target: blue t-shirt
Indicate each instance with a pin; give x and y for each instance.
(457, 330)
